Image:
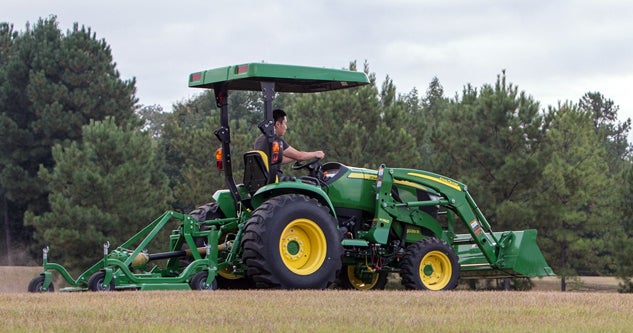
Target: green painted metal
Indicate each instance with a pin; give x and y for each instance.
(354, 189)
(288, 187)
(519, 256)
(119, 264)
(287, 78)
(482, 252)
(226, 202)
(355, 242)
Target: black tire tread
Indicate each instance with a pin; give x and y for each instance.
(96, 279)
(254, 250)
(36, 284)
(411, 262)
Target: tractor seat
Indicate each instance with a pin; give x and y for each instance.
(256, 172)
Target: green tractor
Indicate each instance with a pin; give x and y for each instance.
(336, 226)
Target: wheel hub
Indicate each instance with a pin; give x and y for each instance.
(293, 247)
(435, 270)
(302, 246)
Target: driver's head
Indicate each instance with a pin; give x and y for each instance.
(281, 123)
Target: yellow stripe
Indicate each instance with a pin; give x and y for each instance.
(410, 184)
(443, 181)
(359, 175)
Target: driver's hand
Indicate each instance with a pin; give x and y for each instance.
(319, 154)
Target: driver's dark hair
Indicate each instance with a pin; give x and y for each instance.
(278, 115)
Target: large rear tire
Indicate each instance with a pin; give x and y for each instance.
(430, 264)
(292, 242)
(203, 213)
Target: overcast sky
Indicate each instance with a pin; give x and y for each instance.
(553, 50)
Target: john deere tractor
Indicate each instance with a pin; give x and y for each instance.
(337, 225)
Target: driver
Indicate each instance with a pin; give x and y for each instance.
(290, 154)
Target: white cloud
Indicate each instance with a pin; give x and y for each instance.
(554, 50)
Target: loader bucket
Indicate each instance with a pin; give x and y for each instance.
(518, 256)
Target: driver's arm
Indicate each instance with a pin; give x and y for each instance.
(291, 155)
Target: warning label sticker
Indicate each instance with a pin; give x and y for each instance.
(476, 227)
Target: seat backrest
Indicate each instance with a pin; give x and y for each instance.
(256, 172)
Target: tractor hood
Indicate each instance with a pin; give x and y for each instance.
(287, 78)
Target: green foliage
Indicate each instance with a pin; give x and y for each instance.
(621, 245)
(612, 133)
(105, 188)
(360, 127)
(51, 84)
(490, 140)
(573, 192)
(187, 139)
(152, 118)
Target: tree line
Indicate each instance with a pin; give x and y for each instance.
(82, 162)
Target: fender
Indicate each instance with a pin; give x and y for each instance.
(292, 187)
(225, 202)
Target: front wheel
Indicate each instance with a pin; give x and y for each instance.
(37, 283)
(292, 242)
(430, 264)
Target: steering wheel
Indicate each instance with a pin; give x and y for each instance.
(305, 164)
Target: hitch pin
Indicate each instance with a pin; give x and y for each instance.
(45, 254)
(106, 246)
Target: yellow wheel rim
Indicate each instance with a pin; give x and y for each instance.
(302, 246)
(227, 273)
(357, 282)
(435, 270)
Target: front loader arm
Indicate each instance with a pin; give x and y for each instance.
(454, 195)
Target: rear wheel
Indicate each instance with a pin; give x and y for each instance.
(292, 242)
(95, 283)
(430, 264)
(35, 286)
(203, 213)
(360, 278)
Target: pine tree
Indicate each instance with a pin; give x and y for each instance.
(489, 139)
(612, 133)
(426, 117)
(573, 191)
(104, 188)
(361, 127)
(189, 144)
(621, 245)
(52, 84)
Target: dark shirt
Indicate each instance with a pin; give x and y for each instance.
(262, 144)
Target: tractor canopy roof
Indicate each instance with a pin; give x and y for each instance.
(287, 78)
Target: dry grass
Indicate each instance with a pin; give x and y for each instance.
(16, 278)
(318, 311)
(600, 309)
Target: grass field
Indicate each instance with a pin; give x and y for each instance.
(317, 311)
(598, 309)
